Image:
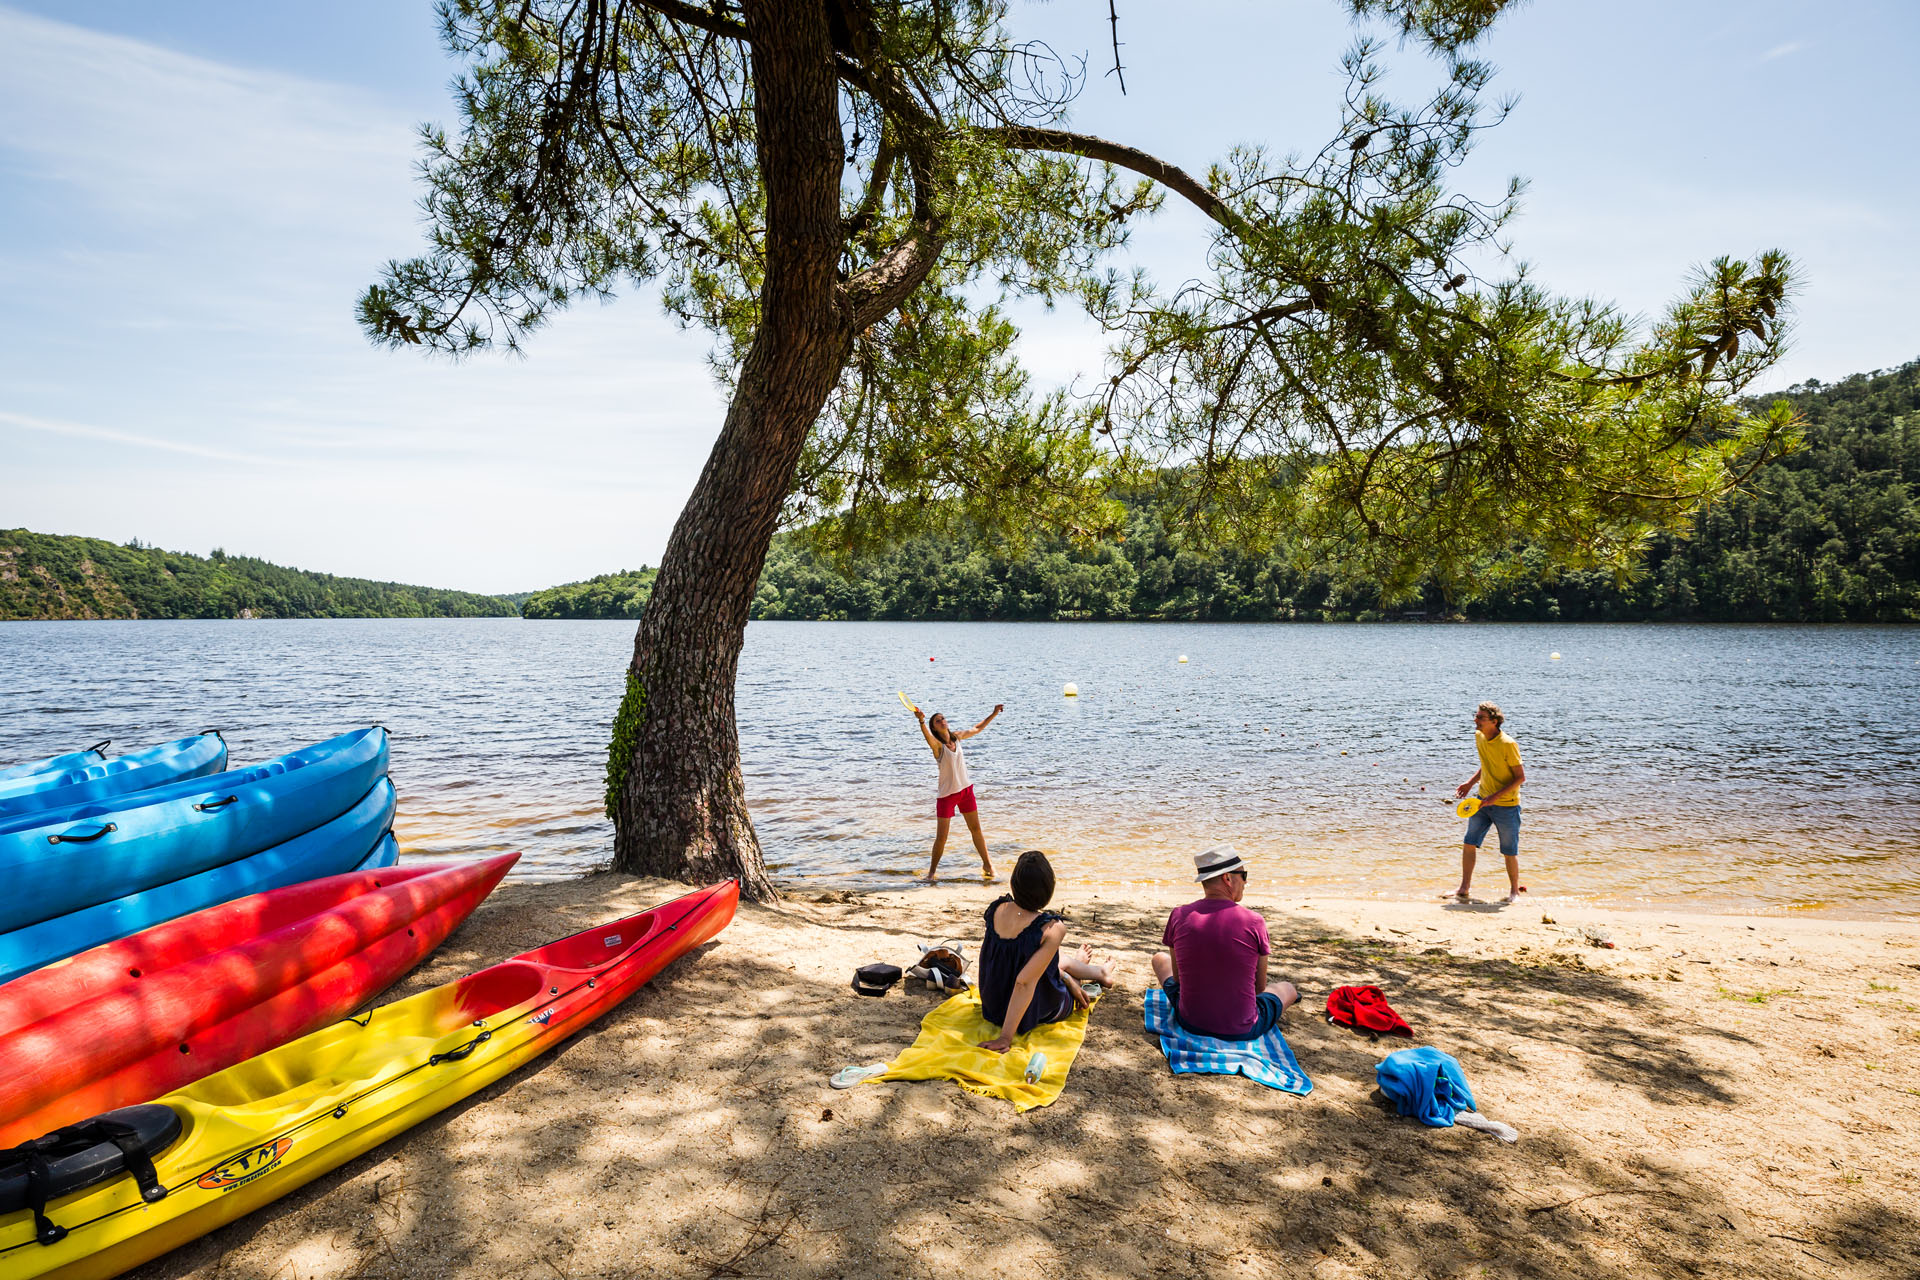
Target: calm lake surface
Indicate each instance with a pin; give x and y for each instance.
(1712, 768)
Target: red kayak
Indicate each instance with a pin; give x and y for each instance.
(242, 1138)
(136, 1018)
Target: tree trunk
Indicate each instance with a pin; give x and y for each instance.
(680, 809)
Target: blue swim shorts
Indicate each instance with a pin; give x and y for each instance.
(1505, 818)
(1267, 1013)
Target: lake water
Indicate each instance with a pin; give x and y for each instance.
(1713, 768)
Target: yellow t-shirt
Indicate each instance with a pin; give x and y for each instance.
(1499, 757)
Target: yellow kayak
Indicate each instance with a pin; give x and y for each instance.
(257, 1130)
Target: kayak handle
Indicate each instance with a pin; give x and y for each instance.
(69, 838)
(464, 1051)
(215, 732)
(209, 806)
(100, 748)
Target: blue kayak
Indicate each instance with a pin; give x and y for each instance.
(187, 758)
(57, 764)
(57, 862)
(359, 839)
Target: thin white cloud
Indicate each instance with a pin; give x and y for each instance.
(1782, 50)
(151, 132)
(84, 431)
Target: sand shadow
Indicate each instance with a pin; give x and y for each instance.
(692, 1133)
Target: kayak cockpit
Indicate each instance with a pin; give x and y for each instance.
(593, 948)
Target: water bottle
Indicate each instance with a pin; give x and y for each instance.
(1036, 1067)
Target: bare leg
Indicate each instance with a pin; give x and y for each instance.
(1514, 887)
(1467, 855)
(1162, 967)
(979, 844)
(1288, 993)
(939, 846)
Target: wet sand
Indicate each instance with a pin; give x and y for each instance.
(1712, 1096)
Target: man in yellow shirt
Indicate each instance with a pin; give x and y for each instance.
(1499, 775)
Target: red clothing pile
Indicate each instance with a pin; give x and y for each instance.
(1365, 1009)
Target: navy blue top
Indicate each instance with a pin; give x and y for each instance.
(1002, 959)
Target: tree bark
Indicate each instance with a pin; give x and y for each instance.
(681, 810)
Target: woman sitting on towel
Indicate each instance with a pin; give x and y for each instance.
(1023, 982)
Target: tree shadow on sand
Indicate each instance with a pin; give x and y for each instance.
(692, 1133)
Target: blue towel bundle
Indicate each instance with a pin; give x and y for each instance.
(1426, 1084)
(1266, 1061)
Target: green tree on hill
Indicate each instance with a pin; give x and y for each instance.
(842, 191)
(611, 595)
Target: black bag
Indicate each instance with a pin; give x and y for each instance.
(875, 979)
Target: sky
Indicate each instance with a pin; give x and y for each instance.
(192, 195)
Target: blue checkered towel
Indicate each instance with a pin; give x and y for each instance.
(1267, 1060)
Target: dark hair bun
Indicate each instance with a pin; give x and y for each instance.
(1032, 881)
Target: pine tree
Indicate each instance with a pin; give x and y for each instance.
(837, 189)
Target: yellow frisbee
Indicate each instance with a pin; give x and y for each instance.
(1468, 807)
(905, 703)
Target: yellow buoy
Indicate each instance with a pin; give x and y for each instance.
(1553, 657)
(1071, 691)
(1183, 657)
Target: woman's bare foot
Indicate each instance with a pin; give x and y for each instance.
(1085, 968)
(1458, 895)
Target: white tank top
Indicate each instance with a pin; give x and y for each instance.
(953, 771)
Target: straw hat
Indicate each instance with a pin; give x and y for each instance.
(1216, 861)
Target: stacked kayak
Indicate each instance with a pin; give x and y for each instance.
(145, 856)
(359, 839)
(57, 764)
(78, 777)
(126, 1186)
(126, 1022)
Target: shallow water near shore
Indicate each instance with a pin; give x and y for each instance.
(1715, 768)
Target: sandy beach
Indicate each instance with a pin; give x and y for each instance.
(1712, 1096)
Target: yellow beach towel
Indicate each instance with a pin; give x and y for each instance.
(948, 1048)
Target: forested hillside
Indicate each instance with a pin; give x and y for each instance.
(1829, 534)
(611, 595)
(50, 576)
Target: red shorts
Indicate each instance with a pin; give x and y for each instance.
(958, 802)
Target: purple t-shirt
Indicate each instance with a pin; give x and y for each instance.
(1217, 945)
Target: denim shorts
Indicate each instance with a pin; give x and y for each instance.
(1503, 817)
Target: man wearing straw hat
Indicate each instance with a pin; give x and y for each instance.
(1215, 969)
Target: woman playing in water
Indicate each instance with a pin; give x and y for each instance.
(1023, 980)
(955, 793)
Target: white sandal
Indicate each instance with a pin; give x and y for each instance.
(847, 1077)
